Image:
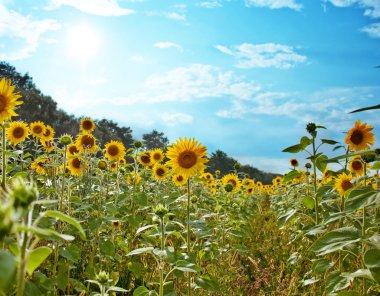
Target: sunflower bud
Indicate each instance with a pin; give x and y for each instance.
(377, 151)
(237, 166)
(308, 165)
(22, 193)
(137, 144)
(6, 221)
(65, 140)
(161, 211)
(103, 278)
(102, 164)
(217, 172)
(194, 199)
(311, 128)
(228, 187)
(369, 157)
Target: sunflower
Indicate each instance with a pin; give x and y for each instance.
(8, 99)
(102, 164)
(17, 132)
(356, 165)
(86, 142)
(294, 162)
(248, 182)
(87, 126)
(37, 129)
(122, 161)
(207, 177)
(145, 158)
(277, 181)
(187, 157)
(360, 137)
(160, 171)
(179, 179)
(115, 150)
(233, 180)
(134, 178)
(157, 155)
(48, 145)
(39, 165)
(250, 190)
(343, 183)
(72, 150)
(49, 133)
(76, 166)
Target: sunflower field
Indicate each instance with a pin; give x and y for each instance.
(79, 218)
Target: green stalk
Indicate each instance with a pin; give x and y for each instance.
(188, 236)
(315, 182)
(22, 265)
(63, 179)
(4, 168)
(162, 264)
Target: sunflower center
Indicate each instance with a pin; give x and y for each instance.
(179, 178)
(18, 132)
(76, 163)
(37, 129)
(346, 184)
(87, 125)
(145, 158)
(357, 165)
(157, 156)
(87, 141)
(113, 150)
(357, 137)
(160, 172)
(233, 182)
(294, 162)
(47, 133)
(187, 159)
(73, 149)
(3, 103)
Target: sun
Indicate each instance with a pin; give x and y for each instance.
(83, 42)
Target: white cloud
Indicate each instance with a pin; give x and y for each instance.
(371, 7)
(96, 7)
(373, 30)
(209, 4)
(176, 118)
(137, 58)
(25, 28)
(263, 55)
(177, 13)
(274, 4)
(164, 45)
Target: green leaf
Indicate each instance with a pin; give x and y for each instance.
(140, 251)
(36, 257)
(186, 266)
(141, 229)
(141, 291)
(372, 261)
(348, 293)
(305, 141)
(116, 289)
(361, 198)
(291, 175)
(294, 149)
(362, 273)
(107, 248)
(335, 240)
(284, 218)
(67, 219)
(136, 268)
(71, 252)
(8, 264)
(310, 281)
(321, 163)
(337, 281)
(45, 233)
(320, 266)
(376, 166)
(308, 201)
(344, 156)
(330, 142)
(366, 108)
(208, 283)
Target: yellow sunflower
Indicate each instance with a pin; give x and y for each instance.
(86, 142)
(179, 180)
(343, 183)
(49, 133)
(8, 99)
(76, 166)
(133, 178)
(248, 182)
(187, 157)
(360, 137)
(233, 180)
(250, 190)
(145, 158)
(72, 149)
(17, 132)
(157, 155)
(39, 165)
(48, 145)
(114, 150)
(87, 126)
(294, 162)
(277, 181)
(160, 171)
(356, 165)
(102, 164)
(207, 177)
(37, 129)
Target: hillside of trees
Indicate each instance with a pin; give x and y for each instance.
(38, 106)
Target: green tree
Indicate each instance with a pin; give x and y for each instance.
(155, 139)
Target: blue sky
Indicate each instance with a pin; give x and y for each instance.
(243, 76)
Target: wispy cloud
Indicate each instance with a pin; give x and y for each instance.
(371, 7)
(209, 4)
(30, 31)
(274, 4)
(137, 58)
(373, 30)
(176, 13)
(263, 55)
(96, 7)
(165, 44)
(172, 119)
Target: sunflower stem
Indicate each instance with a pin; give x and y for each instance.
(188, 236)
(4, 167)
(315, 182)
(63, 179)
(162, 263)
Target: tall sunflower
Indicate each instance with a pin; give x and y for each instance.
(48, 145)
(187, 157)
(233, 180)
(179, 179)
(17, 132)
(8, 99)
(39, 165)
(145, 158)
(72, 149)
(356, 165)
(160, 171)
(294, 162)
(49, 133)
(360, 137)
(86, 142)
(37, 129)
(87, 125)
(76, 166)
(343, 183)
(115, 150)
(157, 155)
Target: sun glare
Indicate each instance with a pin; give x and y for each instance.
(83, 42)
